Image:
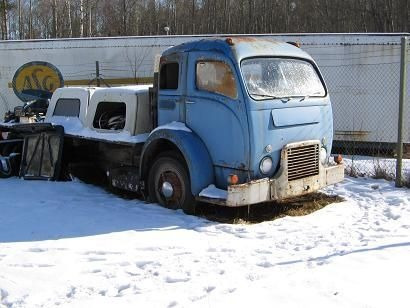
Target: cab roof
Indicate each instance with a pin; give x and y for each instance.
(242, 47)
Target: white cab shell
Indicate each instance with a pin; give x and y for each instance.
(135, 98)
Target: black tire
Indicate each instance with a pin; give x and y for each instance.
(4, 174)
(12, 162)
(168, 168)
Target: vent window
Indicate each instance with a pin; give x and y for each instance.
(169, 76)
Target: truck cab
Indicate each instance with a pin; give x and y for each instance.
(262, 111)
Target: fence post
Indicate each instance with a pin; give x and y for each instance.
(403, 84)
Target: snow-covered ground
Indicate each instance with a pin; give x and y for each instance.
(75, 245)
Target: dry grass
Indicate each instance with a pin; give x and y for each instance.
(382, 173)
(299, 206)
(268, 211)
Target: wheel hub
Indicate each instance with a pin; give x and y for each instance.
(167, 190)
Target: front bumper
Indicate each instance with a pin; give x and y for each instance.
(280, 187)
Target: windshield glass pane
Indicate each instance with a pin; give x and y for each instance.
(275, 78)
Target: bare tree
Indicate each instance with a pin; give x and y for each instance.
(4, 11)
(54, 10)
(70, 22)
(20, 19)
(80, 18)
(30, 23)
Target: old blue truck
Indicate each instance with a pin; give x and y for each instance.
(232, 121)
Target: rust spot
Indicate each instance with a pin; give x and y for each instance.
(229, 41)
(248, 39)
(338, 159)
(245, 39)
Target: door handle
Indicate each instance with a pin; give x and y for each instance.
(190, 102)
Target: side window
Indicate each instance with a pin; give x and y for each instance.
(216, 77)
(110, 115)
(169, 76)
(68, 107)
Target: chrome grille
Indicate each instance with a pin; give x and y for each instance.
(303, 161)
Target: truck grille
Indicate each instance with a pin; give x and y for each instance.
(303, 161)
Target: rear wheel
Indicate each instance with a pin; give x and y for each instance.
(169, 184)
(10, 158)
(5, 168)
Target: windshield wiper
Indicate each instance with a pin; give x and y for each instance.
(264, 95)
(284, 99)
(307, 96)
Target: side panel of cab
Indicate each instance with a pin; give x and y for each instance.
(216, 112)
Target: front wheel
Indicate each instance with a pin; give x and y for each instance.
(169, 184)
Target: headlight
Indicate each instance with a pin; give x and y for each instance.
(323, 156)
(265, 165)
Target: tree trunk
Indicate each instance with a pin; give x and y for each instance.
(54, 10)
(5, 33)
(193, 17)
(20, 21)
(81, 18)
(124, 18)
(89, 19)
(70, 22)
(30, 25)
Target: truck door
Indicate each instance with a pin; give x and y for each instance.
(216, 112)
(172, 88)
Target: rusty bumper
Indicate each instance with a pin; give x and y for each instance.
(279, 188)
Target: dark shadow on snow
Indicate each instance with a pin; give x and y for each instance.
(72, 209)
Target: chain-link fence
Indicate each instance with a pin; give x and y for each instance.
(364, 86)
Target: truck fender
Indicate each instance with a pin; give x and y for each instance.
(192, 148)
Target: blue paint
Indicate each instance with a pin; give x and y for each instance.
(167, 104)
(230, 134)
(296, 116)
(173, 97)
(219, 121)
(195, 154)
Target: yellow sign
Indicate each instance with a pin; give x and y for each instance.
(34, 79)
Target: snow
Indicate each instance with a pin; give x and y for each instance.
(70, 244)
(73, 126)
(214, 193)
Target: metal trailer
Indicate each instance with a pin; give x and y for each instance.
(362, 72)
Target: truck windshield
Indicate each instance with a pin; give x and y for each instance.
(268, 78)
